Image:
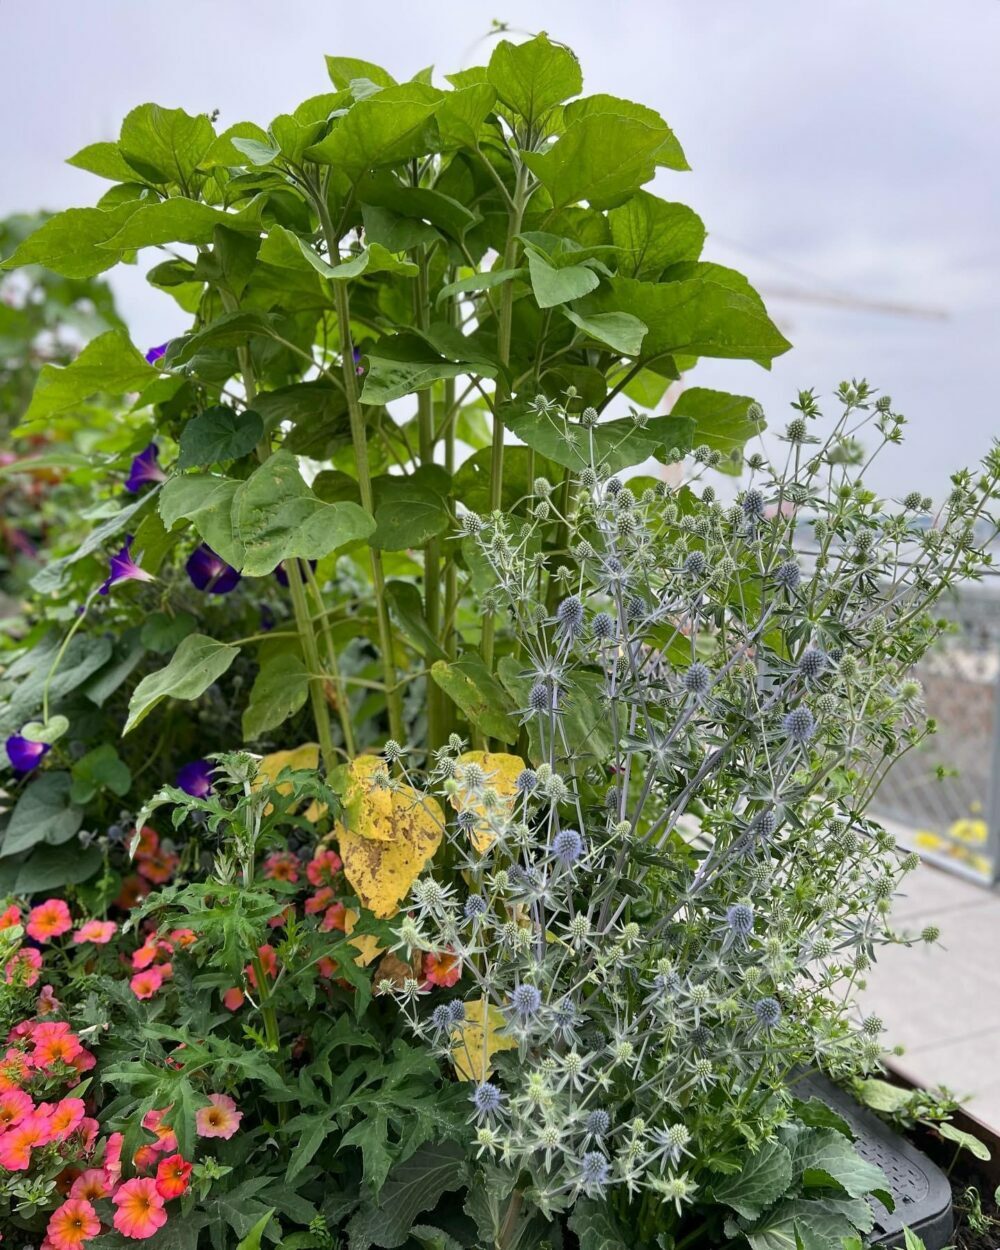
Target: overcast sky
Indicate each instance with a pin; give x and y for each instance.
(844, 147)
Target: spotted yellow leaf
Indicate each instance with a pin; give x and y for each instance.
(477, 1040)
(501, 772)
(368, 806)
(305, 757)
(381, 869)
(366, 943)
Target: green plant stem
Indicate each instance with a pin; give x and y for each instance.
(59, 658)
(394, 701)
(432, 551)
(506, 1231)
(343, 705)
(502, 393)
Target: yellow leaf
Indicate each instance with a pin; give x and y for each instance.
(381, 869)
(305, 758)
(368, 807)
(473, 1045)
(501, 773)
(366, 943)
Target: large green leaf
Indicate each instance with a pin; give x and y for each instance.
(219, 434)
(105, 160)
(825, 1157)
(206, 503)
(165, 145)
(461, 115)
(68, 243)
(532, 77)
(483, 701)
(48, 868)
(614, 444)
(763, 1179)
(721, 420)
(108, 364)
(413, 1186)
(343, 70)
(595, 1225)
(480, 282)
(179, 220)
(50, 577)
(43, 813)
(196, 663)
(279, 690)
(653, 233)
(411, 509)
(392, 125)
(553, 286)
(669, 154)
(402, 363)
(619, 330)
(287, 250)
(100, 769)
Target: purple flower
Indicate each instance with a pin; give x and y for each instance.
(157, 353)
(24, 755)
(210, 572)
(124, 568)
(145, 469)
(195, 778)
(359, 368)
(281, 573)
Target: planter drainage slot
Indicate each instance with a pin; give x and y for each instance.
(921, 1190)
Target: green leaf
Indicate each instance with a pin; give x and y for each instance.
(669, 154)
(108, 364)
(343, 70)
(619, 330)
(553, 286)
(480, 282)
(483, 701)
(911, 1241)
(583, 716)
(279, 690)
(653, 233)
(308, 1132)
(275, 516)
(881, 1096)
(407, 610)
(48, 868)
(100, 769)
(413, 1186)
(206, 502)
(402, 363)
(49, 578)
(105, 160)
(44, 812)
(252, 1240)
(68, 242)
(162, 632)
(615, 444)
(595, 1225)
(287, 250)
(433, 1238)
(974, 1146)
(219, 434)
(196, 663)
(462, 113)
(46, 731)
(532, 77)
(410, 510)
(165, 145)
(825, 1157)
(721, 421)
(391, 126)
(766, 1175)
(229, 330)
(178, 220)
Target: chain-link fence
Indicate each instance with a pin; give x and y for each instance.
(945, 794)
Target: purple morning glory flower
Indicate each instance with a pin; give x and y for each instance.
(281, 573)
(24, 755)
(157, 353)
(210, 572)
(359, 368)
(145, 468)
(124, 569)
(195, 778)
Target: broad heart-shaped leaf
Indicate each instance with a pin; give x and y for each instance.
(343, 70)
(479, 1037)
(619, 330)
(105, 160)
(165, 145)
(206, 502)
(48, 868)
(483, 701)
(68, 243)
(402, 363)
(275, 516)
(720, 420)
(613, 444)
(196, 663)
(43, 813)
(461, 115)
(553, 286)
(825, 1157)
(584, 726)
(764, 1178)
(410, 510)
(219, 434)
(287, 250)
(390, 126)
(109, 364)
(968, 1140)
(532, 77)
(412, 1186)
(100, 769)
(653, 233)
(669, 154)
(696, 317)
(279, 690)
(180, 220)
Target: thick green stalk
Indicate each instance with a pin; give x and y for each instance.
(343, 704)
(359, 441)
(432, 551)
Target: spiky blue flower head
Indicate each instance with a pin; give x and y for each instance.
(525, 1001)
(539, 699)
(567, 846)
(475, 905)
(697, 679)
(526, 781)
(598, 1123)
(614, 486)
(765, 824)
(787, 575)
(441, 1017)
(636, 608)
(456, 1011)
(799, 724)
(602, 626)
(695, 564)
(565, 1016)
(767, 1011)
(487, 1099)
(467, 820)
(753, 505)
(812, 663)
(569, 614)
(594, 1171)
(739, 918)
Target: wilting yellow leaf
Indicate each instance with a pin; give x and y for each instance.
(381, 869)
(502, 772)
(368, 807)
(366, 943)
(477, 1040)
(305, 758)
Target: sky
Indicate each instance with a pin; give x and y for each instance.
(845, 148)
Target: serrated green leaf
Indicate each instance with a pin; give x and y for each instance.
(344, 69)
(413, 1186)
(392, 125)
(219, 434)
(69, 242)
(596, 1227)
(615, 444)
(410, 510)
(765, 1177)
(196, 663)
(178, 220)
(653, 233)
(279, 690)
(825, 1157)
(881, 1096)
(165, 145)
(105, 160)
(534, 76)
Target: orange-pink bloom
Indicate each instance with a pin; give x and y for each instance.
(24, 968)
(100, 932)
(92, 1184)
(219, 1119)
(442, 968)
(72, 1225)
(173, 1175)
(48, 920)
(323, 867)
(140, 1208)
(145, 984)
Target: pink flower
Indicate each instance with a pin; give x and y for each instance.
(10, 917)
(47, 1004)
(282, 866)
(92, 1185)
(140, 1209)
(233, 999)
(219, 1119)
(173, 1176)
(323, 867)
(166, 1138)
(100, 932)
(15, 1104)
(145, 984)
(24, 967)
(17, 1143)
(442, 968)
(66, 1117)
(72, 1225)
(48, 920)
(113, 1158)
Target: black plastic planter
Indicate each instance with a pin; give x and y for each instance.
(921, 1190)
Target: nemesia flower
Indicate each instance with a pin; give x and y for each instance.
(145, 984)
(145, 468)
(24, 967)
(195, 778)
(140, 1209)
(92, 1184)
(24, 755)
(48, 920)
(282, 866)
(282, 918)
(11, 917)
(152, 951)
(173, 1175)
(100, 932)
(89, 1128)
(323, 867)
(209, 572)
(124, 569)
(72, 1224)
(219, 1119)
(233, 999)
(157, 353)
(14, 1070)
(442, 968)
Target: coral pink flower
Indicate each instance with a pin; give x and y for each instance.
(15, 1104)
(323, 867)
(145, 984)
(47, 1004)
(10, 917)
(24, 968)
(233, 999)
(149, 842)
(319, 901)
(219, 1119)
(144, 1159)
(158, 867)
(72, 1224)
(173, 1175)
(113, 1157)
(48, 920)
(140, 1209)
(282, 866)
(335, 917)
(66, 1117)
(326, 967)
(17, 1143)
(269, 960)
(100, 932)
(14, 1070)
(54, 1043)
(133, 891)
(92, 1185)
(89, 1128)
(442, 968)
(183, 937)
(166, 1138)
